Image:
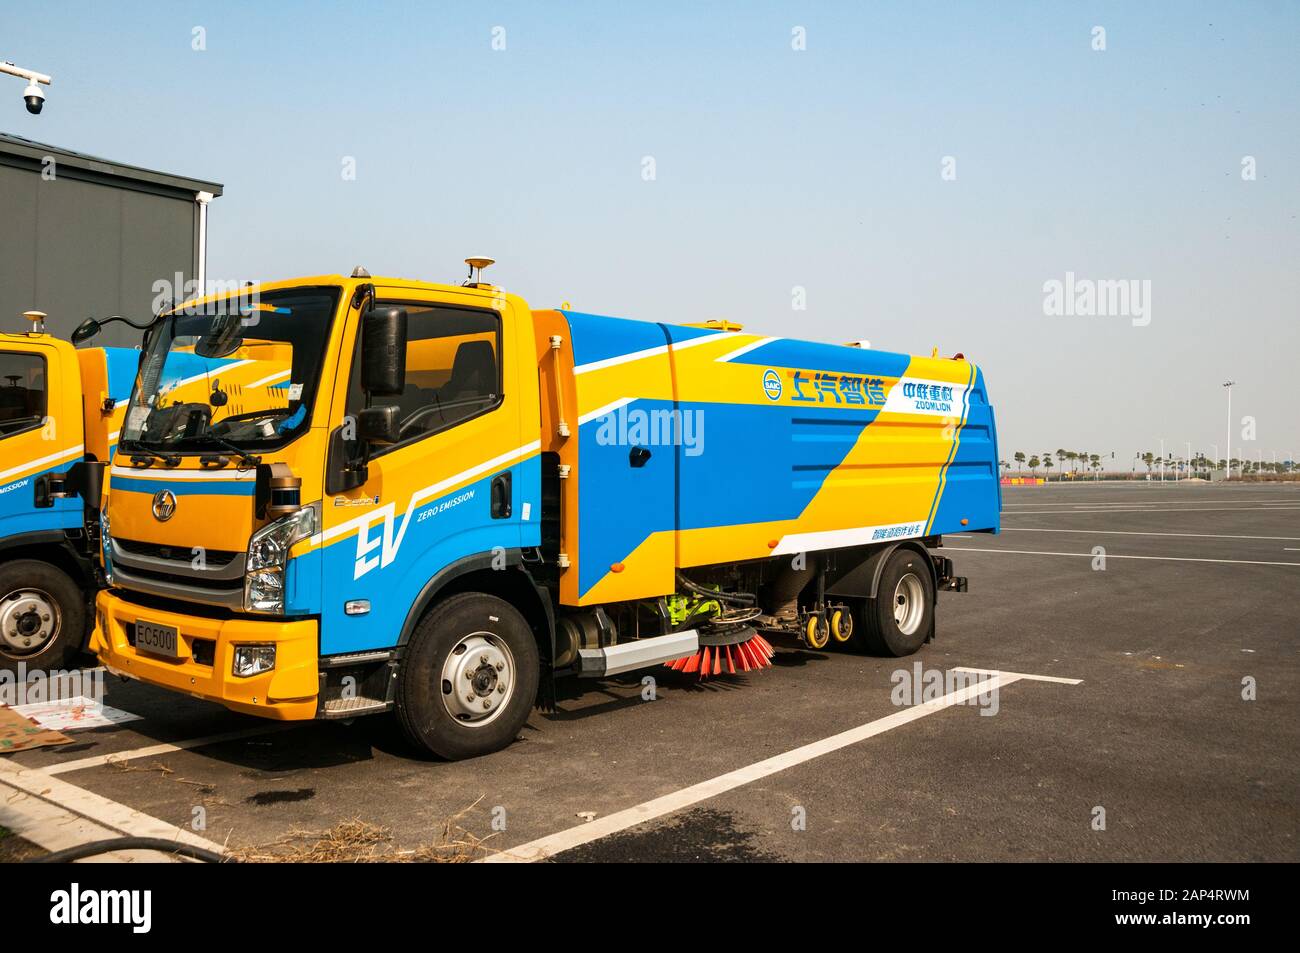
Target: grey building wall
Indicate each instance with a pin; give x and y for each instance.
(91, 241)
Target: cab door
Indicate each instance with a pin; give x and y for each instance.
(462, 482)
(40, 432)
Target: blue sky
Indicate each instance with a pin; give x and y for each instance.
(774, 169)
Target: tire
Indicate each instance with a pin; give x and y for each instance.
(842, 624)
(497, 651)
(901, 617)
(43, 615)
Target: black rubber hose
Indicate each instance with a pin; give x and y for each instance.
(738, 598)
(159, 844)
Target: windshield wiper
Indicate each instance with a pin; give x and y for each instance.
(143, 455)
(246, 458)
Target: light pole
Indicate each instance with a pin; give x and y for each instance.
(32, 95)
(1228, 460)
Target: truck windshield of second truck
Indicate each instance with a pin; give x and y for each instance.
(235, 372)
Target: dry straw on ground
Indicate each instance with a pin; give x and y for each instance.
(360, 842)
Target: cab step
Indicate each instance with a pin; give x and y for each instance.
(352, 707)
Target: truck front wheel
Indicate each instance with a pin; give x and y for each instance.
(469, 678)
(901, 617)
(42, 616)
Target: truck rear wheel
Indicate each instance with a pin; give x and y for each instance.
(901, 617)
(42, 616)
(469, 678)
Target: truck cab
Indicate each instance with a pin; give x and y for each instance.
(58, 419)
(259, 504)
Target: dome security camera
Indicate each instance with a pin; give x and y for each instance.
(34, 98)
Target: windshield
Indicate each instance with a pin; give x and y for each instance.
(242, 371)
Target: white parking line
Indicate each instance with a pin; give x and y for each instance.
(553, 844)
(166, 748)
(1033, 678)
(1128, 532)
(1174, 559)
(100, 811)
(44, 824)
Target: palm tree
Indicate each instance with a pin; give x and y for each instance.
(1060, 459)
(1033, 464)
(1019, 458)
(1047, 464)
(1149, 459)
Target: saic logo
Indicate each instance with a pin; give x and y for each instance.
(772, 384)
(164, 505)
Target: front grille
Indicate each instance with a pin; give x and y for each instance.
(215, 558)
(189, 581)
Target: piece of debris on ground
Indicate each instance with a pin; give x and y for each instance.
(18, 733)
(358, 841)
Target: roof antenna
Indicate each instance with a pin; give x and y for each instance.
(38, 320)
(476, 265)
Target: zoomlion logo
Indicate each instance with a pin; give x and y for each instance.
(772, 384)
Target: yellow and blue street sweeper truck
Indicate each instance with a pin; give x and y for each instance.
(434, 500)
(60, 410)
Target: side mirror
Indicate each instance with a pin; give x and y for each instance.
(379, 424)
(383, 352)
(85, 331)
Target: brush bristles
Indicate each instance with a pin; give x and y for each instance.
(752, 655)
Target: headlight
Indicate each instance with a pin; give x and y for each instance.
(252, 660)
(264, 591)
(269, 546)
(268, 554)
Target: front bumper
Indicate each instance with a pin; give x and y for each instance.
(287, 692)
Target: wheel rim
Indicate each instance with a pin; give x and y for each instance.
(909, 604)
(817, 632)
(842, 625)
(478, 679)
(29, 621)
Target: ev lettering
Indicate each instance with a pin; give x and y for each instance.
(388, 543)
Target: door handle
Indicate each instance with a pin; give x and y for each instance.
(501, 496)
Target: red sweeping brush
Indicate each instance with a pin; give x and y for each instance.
(750, 654)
